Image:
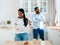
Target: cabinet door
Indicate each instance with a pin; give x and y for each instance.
(54, 36)
(57, 37)
(51, 34)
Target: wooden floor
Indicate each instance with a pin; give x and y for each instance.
(27, 43)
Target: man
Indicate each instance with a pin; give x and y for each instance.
(38, 26)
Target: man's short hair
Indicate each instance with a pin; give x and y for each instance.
(35, 8)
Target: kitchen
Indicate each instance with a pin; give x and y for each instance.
(8, 14)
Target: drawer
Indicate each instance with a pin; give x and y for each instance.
(56, 32)
(54, 36)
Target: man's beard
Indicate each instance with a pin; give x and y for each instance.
(37, 12)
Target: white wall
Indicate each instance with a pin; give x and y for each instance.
(8, 9)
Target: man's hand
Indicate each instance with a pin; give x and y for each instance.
(36, 18)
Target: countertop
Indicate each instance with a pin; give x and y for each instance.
(6, 28)
(53, 27)
(48, 27)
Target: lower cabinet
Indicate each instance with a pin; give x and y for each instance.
(54, 36)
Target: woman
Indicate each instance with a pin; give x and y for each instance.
(21, 26)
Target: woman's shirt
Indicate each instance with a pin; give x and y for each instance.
(19, 26)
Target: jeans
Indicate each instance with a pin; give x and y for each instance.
(21, 37)
(38, 31)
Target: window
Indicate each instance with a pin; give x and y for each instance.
(25, 5)
(29, 5)
(43, 5)
(33, 5)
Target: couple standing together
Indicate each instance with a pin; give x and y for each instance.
(22, 25)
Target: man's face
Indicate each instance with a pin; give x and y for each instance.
(37, 11)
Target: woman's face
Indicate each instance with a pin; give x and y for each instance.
(20, 14)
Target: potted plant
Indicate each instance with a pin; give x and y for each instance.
(8, 22)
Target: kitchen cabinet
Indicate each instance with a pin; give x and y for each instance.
(10, 34)
(54, 36)
(6, 34)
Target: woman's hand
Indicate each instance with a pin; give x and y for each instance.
(17, 29)
(29, 21)
(30, 24)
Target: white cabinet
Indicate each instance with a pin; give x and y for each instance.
(7, 35)
(54, 36)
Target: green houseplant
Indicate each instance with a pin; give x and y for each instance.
(8, 22)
